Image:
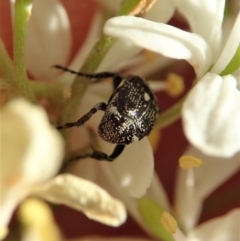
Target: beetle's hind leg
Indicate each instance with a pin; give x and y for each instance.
(101, 156)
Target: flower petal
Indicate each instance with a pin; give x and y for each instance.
(48, 38)
(37, 155)
(225, 228)
(161, 11)
(93, 33)
(162, 38)
(229, 50)
(114, 57)
(209, 26)
(134, 168)
(206, 113)
(85, 196)
(209, 176)
(157, 193)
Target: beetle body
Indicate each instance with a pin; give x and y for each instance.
(130, 114)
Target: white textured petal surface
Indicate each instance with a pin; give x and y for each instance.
(48, 38)
(225, 228)
(209, 176)
(211, 115)
(161, 11)
(229, 49)
(162, 38)
(209, 26)
(37, 155)
(84, 196)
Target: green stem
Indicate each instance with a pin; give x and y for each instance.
(169, 116)
(80, 84)
(6, 65)
(51, 91)
(21, 18)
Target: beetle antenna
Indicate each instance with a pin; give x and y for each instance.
(101, 75)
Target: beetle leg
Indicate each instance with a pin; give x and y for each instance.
(101, 156)
(100, 106)
(117, 79)
(101, 75)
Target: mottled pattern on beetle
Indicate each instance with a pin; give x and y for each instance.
(131, 113)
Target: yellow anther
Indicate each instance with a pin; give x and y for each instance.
(187, 162)
(169, 223)
(67, 92)
(3, 232)
(149, 55)
(175, 85)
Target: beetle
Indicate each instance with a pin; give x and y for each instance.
(130, 112)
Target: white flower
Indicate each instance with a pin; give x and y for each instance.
(203, 52)
(31, 154)
(193, 187)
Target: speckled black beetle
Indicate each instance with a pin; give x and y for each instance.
(130, 113)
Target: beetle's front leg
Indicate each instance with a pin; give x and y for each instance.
(100, 106)
(101, 156)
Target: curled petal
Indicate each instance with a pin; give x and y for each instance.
(84, 196)
(48, 38)
(211, 115)
(37, 155)
(219, 229)
(209, 26)
(162, 38)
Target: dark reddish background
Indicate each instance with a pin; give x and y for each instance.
(170, 148)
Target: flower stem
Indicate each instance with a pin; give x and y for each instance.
(21, 18)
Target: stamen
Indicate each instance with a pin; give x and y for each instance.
(169, 223)
(36, 215)
(187, 162)
(150, 56)
(175, 84)
(3, 232)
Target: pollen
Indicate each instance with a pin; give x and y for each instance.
(175, 85)
(169, 223)
(187, 162)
